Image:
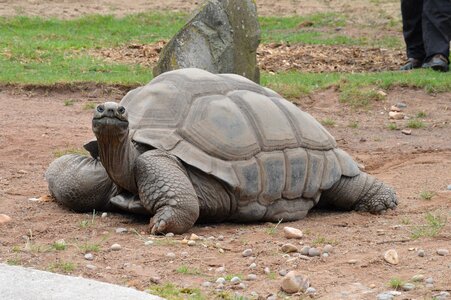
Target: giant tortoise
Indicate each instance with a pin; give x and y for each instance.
(194, 146)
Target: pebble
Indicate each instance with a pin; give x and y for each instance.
(206, 284)
(91, 267)
(252, 266)
(395, 108)
(194, 237)
(442, 295)
(421, 253)
(418, 278)
(304, 250)
(220, 270)
(241, 286)
(352, 261)
(155, 279)
(283, 272)
(89, 256)
(288, 248)
(328, 248)
(220, 280)
(251, 277)
(391, 256)
(4, 219)
(442, 252)
(235, 280)
(396, 115)
(384, 296)
(429, 280)
(219, 286)
(271, 297)
(247, 253)
(310, 291)
(294, 282)
(408, 286)
(191, 243)
(104, 215)
(325, 255)
(121, 230)
(148, 243)
(406, 131)
(115, 247)
(184, 254)
(267, 270)
(314, 252)
(169, 234)
(449, 187)
(401, 105)
(220, 238)
(292, 233)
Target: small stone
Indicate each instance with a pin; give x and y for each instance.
(271, 297)
(155, 279)
(220, 238)
(391, 256)
(4, 219)
(220, 286)
(314, 252)
(184, 254)
(207, 284)
(89, 256)
(382, 93)
(283, 272)
(267, 270)
(448, 187)
(310, 291)
(104, 215)
(429, 280)
(395, 108)
(252, 266)
(352, 261)
(396, 115)
(115, 247)
(288, 248)
(247, 252)
(384, 296)
(395, 293)
(121, 230)
(220, 270)
(235, 280)
(442, 252)
(441, 296)
(251, 277)
(211, 238)
(408, 286)
(429, 285)
(292, 233)
(401, 105)
(418, 278)
(221, 280)
(148, 243)
(325, 254)
(191, 243)
(295, 282)
(305, 250)
(170, 254)
(241, 286)
(406, 131)
(169, 234)
(91, 267)
(421, 253)
(194, 237)
(328, 248)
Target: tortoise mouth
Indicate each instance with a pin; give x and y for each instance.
(109, 125)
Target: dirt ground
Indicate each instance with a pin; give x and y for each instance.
(38, 124)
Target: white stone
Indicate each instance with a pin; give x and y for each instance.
(292, 233)
(89, 256)
(247, 252)
(391, 256)
(4, 219)
(115, 247)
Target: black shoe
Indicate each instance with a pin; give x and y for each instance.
(412, 63)
(438, 63)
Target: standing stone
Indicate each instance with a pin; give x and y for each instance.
(222, 37)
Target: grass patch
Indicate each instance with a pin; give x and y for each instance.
(328, 122)
(79, 151)
(392, 126)
(89, 106)
(421, 114)
(172, 292)
(89, 248)
(321, 240)
(433, 226)
(415, 124)
(395, 283)
(69, 102)
(273, 229)
(64, 267)
(59, 245)
(427, 195)
(353, 124)
(187, 270)
(16, 261)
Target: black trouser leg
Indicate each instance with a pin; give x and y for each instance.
(436, 27)
(411, 11)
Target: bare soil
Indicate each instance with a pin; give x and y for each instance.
(38, 124)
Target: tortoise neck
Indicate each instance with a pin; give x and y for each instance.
(118, 154)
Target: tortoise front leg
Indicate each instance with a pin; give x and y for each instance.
(166, 192)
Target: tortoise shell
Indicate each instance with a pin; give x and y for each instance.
(246, 135)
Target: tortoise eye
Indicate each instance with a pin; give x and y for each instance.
(121, 110)
(100, 108)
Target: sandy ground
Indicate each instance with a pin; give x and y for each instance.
(37, 124)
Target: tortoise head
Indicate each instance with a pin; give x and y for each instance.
(110, 121)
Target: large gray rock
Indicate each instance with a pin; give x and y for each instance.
(222, 37)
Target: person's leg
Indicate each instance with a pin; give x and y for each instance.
(411, 11)
(437, 33)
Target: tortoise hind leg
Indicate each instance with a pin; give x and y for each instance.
(362, 193)
(166, 192)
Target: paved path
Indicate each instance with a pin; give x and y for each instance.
(18, 283)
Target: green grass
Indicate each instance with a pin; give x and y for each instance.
(395, 283)
(415, 124)
(187, 270)
(427, 195)
(86, 247)
(173, 292)
(59, 245)
(64, 267)
(328, 122)
(433, 226)
(392, 126)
